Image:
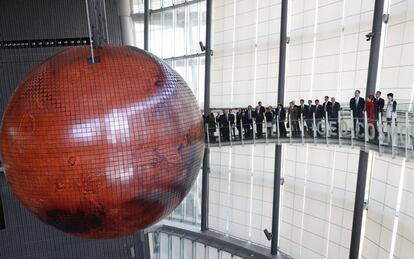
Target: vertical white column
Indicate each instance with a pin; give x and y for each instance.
(127, 28)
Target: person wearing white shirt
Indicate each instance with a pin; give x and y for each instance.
(391, 115)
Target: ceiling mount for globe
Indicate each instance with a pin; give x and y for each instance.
(97, 26)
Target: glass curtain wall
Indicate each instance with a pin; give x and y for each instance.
(176, 28)
(397, 70)
(385, 186)
(244, 71)
(327, 56)
(328, 53)
(241, 192)
(246, 53)
(388, 231)
(317, 201)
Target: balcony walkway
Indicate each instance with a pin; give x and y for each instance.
(405, 151)
(394, 138)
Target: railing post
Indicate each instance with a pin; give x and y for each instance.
(393, 132)
(290, 128)
(303, 128)
(254, 132)
(393, 137)
(314, 127)
(265, 123)
(241, 132)
(278, 129)
(380, 130)
(230, 134)
(219, 134)
(352, 127)
(339, 127)
(208, 135)
(366, 128)
(406, 135)
(326, 127)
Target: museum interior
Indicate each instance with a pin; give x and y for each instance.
(206, 129)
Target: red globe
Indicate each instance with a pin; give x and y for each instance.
(102, 150)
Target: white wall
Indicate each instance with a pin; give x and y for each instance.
(317, 201)
(398, 56)
(389, 220)
(246, 52)
(241, 191)
(328, 53)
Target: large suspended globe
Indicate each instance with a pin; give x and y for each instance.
(102, 150)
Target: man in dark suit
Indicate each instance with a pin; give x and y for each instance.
(239, 121)
(333, 115)
(318, 110)
(248, 124)
(379, 109)
(259, 118)
(379, 105)
(224, 125)
(319, 114)
(261, 108)
(357, 105)
(303, 111)
(309, 118)
(232, 121)
(218, 123)
(281, 117)
(326, 106)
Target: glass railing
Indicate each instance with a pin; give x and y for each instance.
(171, 240)
(391, 134)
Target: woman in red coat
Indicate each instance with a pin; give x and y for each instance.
(370, 110)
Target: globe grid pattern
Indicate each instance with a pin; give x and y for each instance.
(102, 150)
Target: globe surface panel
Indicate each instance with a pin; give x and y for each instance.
(103, 150)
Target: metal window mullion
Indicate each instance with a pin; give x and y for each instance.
(278, 148)
(206, 162)
(356, 236)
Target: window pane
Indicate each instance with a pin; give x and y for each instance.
(139, 33)
(193, 30)
(167, 34)
(156, 36)
(155, 4)
(180, 32)
(137, 6)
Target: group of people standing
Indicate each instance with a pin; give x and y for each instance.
(308, 114)
(374, 107)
